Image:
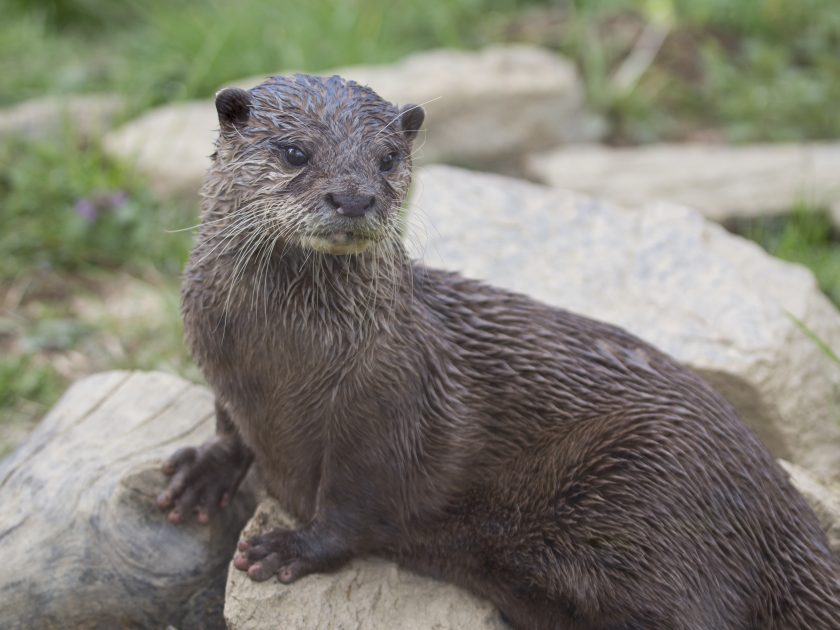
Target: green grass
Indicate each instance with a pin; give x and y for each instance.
(757, 69)
(26, 386)
(754, 69)
(156, 51)
(68, 207)
(70, 220)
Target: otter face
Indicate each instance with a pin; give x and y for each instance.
(323, 163)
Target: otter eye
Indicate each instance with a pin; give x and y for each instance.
(295, 156)
(388, 162)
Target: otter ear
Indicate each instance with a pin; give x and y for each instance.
(233, 106)
(411, 119)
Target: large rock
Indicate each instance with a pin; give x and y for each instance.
(372, 594)
(487, 108)
(88, 115)
(823, 497)
(721, 181)
(82, 543)
(170, 145)
(714, 301)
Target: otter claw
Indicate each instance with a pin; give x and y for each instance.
(164, 500)
(202, 480)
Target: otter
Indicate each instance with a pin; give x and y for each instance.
(559, 466)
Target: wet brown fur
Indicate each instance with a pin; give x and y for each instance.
(559, 466)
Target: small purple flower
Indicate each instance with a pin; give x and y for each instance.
(91, 208)
(87, 210)
(118, 198)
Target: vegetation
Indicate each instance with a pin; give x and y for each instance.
(157, 51)
(79, 233)
(744, 69)
(69, 207)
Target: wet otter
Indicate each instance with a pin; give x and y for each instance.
(556, 465)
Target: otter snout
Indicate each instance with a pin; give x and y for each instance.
(350, 204)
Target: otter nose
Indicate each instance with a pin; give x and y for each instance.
(349, 204)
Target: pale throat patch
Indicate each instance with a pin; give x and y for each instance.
(340, 244)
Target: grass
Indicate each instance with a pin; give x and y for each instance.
(24, 386)
(66, 206)
(156, 51)
(747, 70)
(88, 271)
(754, 69)
(75, 227)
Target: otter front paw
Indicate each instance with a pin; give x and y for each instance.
(203, 479)
(285, 553)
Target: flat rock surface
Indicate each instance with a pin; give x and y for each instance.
(714, 301)
(365, 595)
(720, 181)
(469, 98)
(82, 543)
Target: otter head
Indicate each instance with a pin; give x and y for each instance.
(320, 163)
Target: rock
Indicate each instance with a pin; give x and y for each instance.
(713, 300)
(722, 182)
(371, 593)
(82, 542)
(469, 98)
(88, 115)
(170, 145)
(824, 499)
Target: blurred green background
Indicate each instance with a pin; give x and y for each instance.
(88, 277)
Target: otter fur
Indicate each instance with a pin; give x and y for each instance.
(559, 466)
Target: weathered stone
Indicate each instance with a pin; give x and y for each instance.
(714, 301)
(171, 145)
(720, 181)
(82, 543)
(372, 594)
(88, 115)
(486, 108)
(824, 499)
